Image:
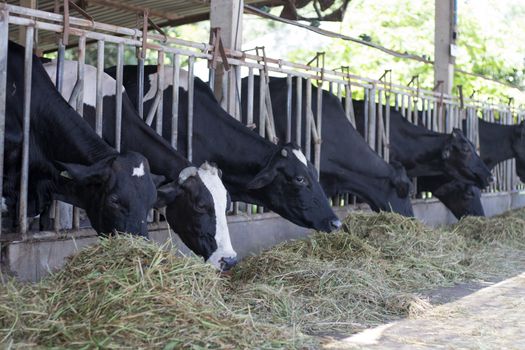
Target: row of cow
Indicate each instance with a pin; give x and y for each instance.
(70, 162)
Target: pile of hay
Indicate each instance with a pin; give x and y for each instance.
(369, 272)
(126, 292)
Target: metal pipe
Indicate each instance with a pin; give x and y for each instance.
(298, 108)
(119, 90)
(4, 38)
(249, 107)
(175, 101)
(160, 91)
(262, 104)
(100, 92)
(80, 102)
(308, 122)
(140, 83)
(28, 70)
(191, 61)
(288, 108)
(317, 128)
(386, 151)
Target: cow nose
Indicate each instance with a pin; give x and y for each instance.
(227, 263)
(335, 224)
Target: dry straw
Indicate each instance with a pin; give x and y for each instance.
(128, 293)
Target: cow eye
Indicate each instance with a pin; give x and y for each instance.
(300, 179)
(114, 200)
(201, 207)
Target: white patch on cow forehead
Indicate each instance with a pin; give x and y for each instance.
(139, 171)
(300, 156)
(168, 81)
(222, 234)
(90, 81)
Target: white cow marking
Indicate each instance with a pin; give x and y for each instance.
(139, 171)
(299, 155)
(4, 205)
(168, 81)
(213, 183)
(90, 81)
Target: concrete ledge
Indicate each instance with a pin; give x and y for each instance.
(33, 257)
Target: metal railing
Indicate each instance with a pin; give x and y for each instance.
(436, 110)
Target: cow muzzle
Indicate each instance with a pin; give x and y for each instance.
(226, 264)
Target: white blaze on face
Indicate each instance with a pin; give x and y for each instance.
(213, 183)
(168, 81)
(90, 81)
(139, 171)
(299, 155)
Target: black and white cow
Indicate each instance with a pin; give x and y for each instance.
(66, 157)
(195, 197)
(348, 164)
(497, 143)
(428, 153)
(254, 169)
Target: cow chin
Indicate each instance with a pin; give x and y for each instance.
(223, 260)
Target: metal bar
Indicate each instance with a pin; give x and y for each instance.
(140, 84)
(366, 113)
(153, 109)
(175, 101)
(191, 61)
(262, 104)
(380, 126)
(288, 108)
(249, 112)
(317, 128)
(308, 122)
(100, 92)
(119, 90)
(298, 108)
(80, 103)
(28, 70)
(386, 151)
(4, 38)
(59, 79)
(160, 91)
(372, 124)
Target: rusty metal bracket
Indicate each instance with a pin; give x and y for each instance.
(158, 29)
(218, 49)
(386, 79)
(319, 60)
(415, 78)
(461, 97)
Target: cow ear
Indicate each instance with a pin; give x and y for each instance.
(167, 194)
(157, 179)
(85, 174)
(264, 178)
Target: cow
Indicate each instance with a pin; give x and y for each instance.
(428, 153)
(348, 164)
(254, 169)
(68, 159)
(497, 143)
(195, 198)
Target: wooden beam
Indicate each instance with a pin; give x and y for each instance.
(445, 43)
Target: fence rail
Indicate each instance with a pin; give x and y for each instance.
(434, 109)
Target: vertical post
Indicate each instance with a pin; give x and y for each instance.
(140, 82)
(191, 61)
(249, 107)
(372, 118)
(175, 101)
(298, 108)
(262, 103)
(4, 36)
(119, 91)
(227, 15)
(160, 91)
(445, 42)
(288, 108)
(100, 92)
(28, 70)
(80, 103)
(308, 121)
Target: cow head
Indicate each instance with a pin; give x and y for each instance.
(462, 199)
(462, 162)
(290, 184)
(399, 179)
(116, 192)
(518, 145)
(196, 207)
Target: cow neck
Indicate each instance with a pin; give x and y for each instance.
(244, 153)
(69, 137)
(496, 142)
(162, 158)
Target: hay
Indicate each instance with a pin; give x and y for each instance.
(370, 272)
(126, 292)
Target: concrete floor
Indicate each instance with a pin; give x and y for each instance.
(491, 318)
